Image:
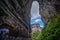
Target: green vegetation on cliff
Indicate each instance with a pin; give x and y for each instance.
(35, 35)
(51, 31)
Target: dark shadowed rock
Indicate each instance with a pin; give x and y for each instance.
(15, 14)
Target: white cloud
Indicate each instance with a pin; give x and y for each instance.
(37, 20)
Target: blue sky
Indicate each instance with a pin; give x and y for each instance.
(35, 16)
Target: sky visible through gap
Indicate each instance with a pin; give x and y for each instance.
(35, 16)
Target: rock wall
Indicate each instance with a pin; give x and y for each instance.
(48, 9)
(15, 15)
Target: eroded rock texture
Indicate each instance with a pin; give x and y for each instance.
(49, 9)
(15, 15)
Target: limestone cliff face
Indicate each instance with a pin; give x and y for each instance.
(48, 9)
(15, 15)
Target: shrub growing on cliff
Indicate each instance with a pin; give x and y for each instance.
(35, 35)
(52, 31)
